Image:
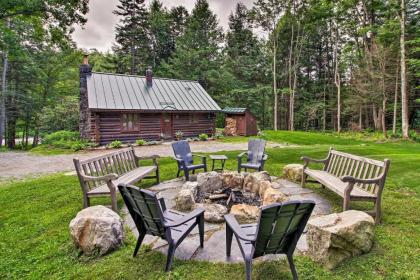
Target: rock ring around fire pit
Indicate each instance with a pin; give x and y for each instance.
(212, 191)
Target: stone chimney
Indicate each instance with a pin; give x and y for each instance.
(149, 76)
(84, 115)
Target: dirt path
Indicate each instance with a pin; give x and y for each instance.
(23, 164)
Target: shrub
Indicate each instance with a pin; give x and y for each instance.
(61, 135)
(179, 134)
(150, 143)
(203, 137)
(115, 144)
(218, 135)
(140, 142)
(64, 139)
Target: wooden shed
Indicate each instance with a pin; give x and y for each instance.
(127, 108)
(240, 122)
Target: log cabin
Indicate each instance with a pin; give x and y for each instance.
(127, 107)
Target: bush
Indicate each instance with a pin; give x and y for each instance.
(203, 137)
(115, 144)
(218, 135)
(64, 139)
(140, 142)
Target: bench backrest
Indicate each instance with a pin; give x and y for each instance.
(119, 162)
(341, 164)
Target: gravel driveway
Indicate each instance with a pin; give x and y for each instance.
(22, 164)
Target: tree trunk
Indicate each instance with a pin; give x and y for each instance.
(404, 93)
(337, 80)
(360, 117)
(394, 118)
(3, 93)
(275, 82)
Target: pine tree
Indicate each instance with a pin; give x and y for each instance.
(197, 56)
(131, 34)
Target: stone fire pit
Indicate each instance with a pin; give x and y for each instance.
(230, 192)
(251, 190)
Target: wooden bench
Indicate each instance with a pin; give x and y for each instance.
(100, 176)
(351, 177)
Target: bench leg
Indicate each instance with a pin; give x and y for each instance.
(113, 197)
(377, 211)
(86, 201)
(346, 203)
(304, 176)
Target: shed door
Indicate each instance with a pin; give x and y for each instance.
(166, 126)
(240, 125)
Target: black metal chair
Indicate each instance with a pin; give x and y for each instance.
(185, 159)
(151, 217)
(255, 156)
(277, 232)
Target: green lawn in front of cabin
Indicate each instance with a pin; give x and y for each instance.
(35, 213)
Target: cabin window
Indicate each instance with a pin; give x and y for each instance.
(130, 122)
(193, 118)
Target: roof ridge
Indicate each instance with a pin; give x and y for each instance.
(138, 76)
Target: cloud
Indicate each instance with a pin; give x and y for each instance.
(99, 30)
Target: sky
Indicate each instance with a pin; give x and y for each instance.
(98, 32)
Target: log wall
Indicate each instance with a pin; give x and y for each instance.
(107, 127)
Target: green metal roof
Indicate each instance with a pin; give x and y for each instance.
(231, 110)
(124, 92)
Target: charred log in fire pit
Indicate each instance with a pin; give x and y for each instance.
(228, 197)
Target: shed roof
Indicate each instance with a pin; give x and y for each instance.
(232, 110)
(124, 92)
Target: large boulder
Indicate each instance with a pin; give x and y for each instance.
(97, 230)
(209, 181)
(272, 195)
(184, 200)
(293, 172)
(339, 236)
(214, 212)
(244, 213)
(233, 179)
(252, 181)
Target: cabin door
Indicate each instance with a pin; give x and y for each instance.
(240, 125)
(166, 126)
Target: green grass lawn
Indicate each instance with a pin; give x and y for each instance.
(35, 213)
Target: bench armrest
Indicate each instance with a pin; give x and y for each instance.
(307, 160)
(354, 180)
(233, 224)
(192, 215)
(108, 177)
(152, 157)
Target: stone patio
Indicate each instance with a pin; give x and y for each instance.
(215, 237)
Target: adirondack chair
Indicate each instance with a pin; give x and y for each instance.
(277, 232)
(151, 217)
(185, 159)
(255, 156)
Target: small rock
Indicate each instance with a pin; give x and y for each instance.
(252, 181)
(184, 201)
(245, 213)
(273, 196)
(193, 186)
(293, 172)
(97, 230)
(264, 185)
(339, 236)
(209, 181)
(214, 212)
(232, 179)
